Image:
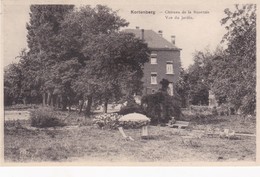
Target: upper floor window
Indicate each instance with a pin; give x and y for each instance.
(169, 67)
(153, 58)
(153, 78)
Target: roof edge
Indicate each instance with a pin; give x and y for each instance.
(168, 49)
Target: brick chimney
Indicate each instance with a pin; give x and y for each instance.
(173, 39)
(160, 32)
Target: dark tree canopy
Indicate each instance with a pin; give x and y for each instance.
(77, 53)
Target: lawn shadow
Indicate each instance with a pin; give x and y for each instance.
(157, 137)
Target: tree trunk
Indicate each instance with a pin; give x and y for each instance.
(49, 98)
(88, 108)
(64, 103)
(58, 101)
(81, 103)
(105, 106)
(52, 100)
(43, 99)
(64, 106)
(25, 100)
(55, 101)
(69, 103)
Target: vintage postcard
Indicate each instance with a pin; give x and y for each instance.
(167, 83)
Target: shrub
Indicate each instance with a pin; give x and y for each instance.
(161, 107)
(197, 114)
(45, 117)
(108, 120)
(131, 108)
(111, 121)
(223, 109)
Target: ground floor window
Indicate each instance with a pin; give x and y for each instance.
(170, 89)
(153, 78)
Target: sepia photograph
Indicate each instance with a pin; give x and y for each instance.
(99, 82)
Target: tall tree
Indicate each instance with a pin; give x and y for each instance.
(229, 73)
(115, 65)
(183, 88)
(196, 78)
(81, 52)
(43, 42)
(110, 61)
(235, 75)
(195, 82)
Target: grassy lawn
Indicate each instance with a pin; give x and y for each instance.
(84, 142)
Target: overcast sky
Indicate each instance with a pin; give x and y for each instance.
(203, 31)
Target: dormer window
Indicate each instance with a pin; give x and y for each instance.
(153, 59)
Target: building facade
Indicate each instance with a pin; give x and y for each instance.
(164, 60)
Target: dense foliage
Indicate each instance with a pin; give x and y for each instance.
(77, 54)
(107, 121)
(230, 72)
(236, 71)
(161, 107)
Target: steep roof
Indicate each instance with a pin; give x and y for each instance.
(153, 39)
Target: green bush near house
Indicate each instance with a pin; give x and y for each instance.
(161, 107)
(45, 117)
